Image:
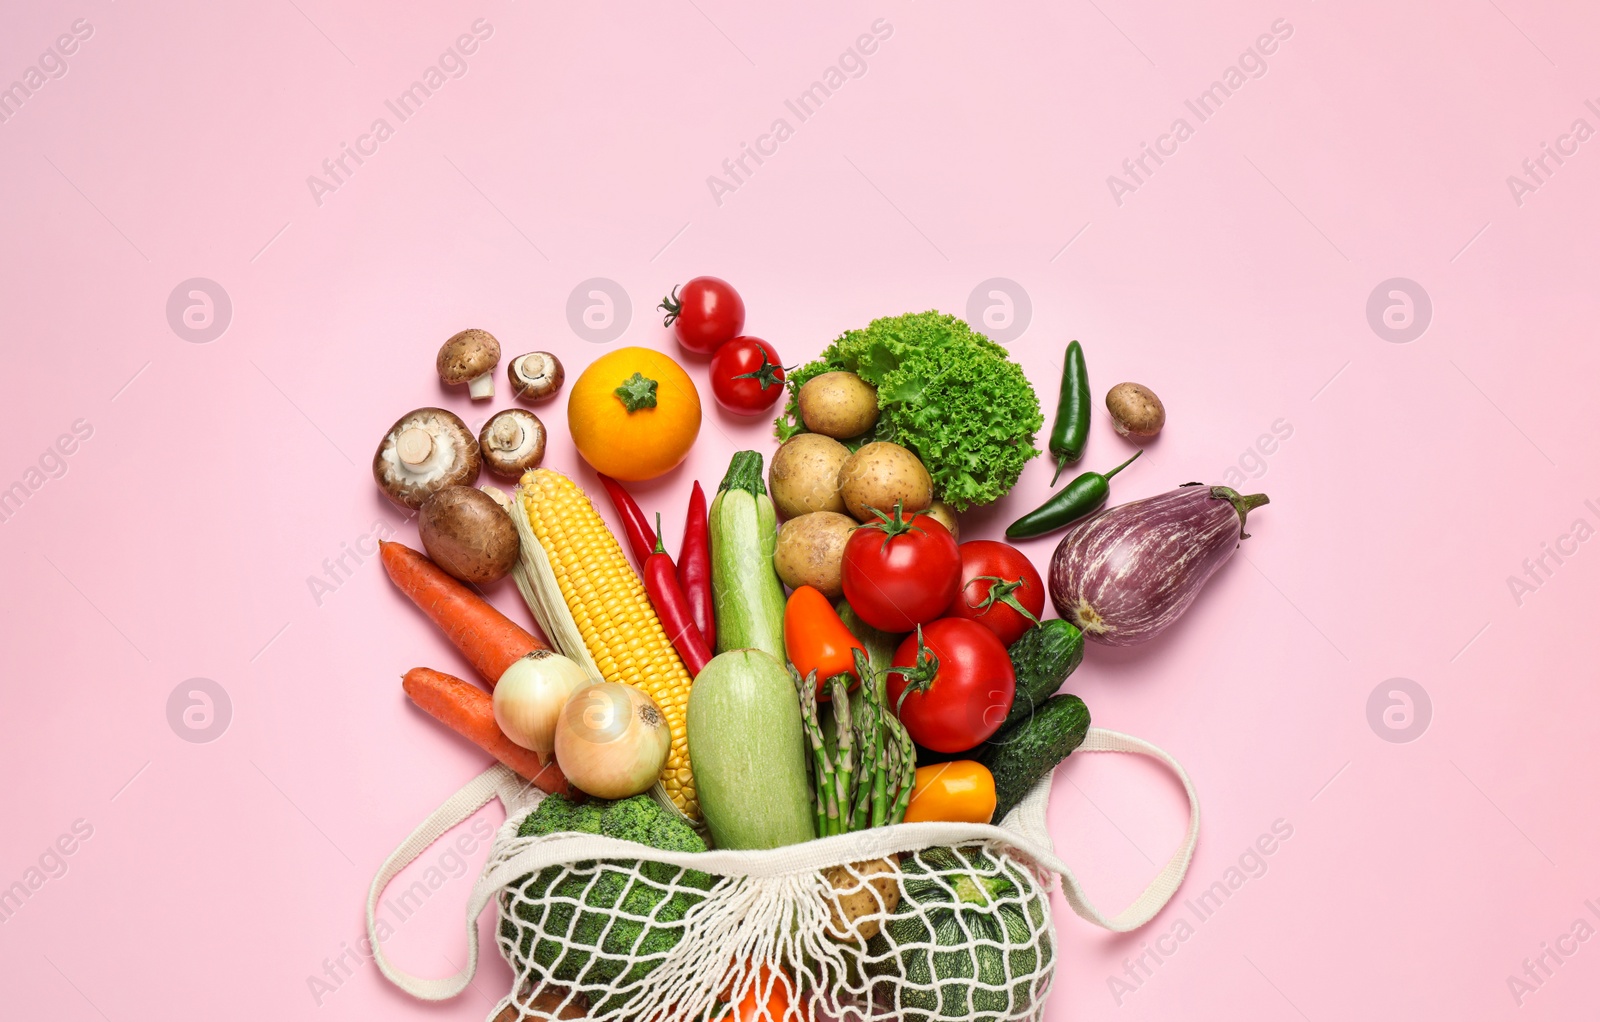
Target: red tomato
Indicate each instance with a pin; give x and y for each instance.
(961, 686)
(1000, 589)
(706, 314)
(901, 572)
(746, 376)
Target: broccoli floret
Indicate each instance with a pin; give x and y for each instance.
(629, 819)
(605, 910)
(558, 814)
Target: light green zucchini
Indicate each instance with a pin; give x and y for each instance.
(747, 750)
(745, 591)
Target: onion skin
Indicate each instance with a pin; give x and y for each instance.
(530, 695)
(612, 740)
(1126, 574)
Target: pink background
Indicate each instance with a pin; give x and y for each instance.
(219, 476)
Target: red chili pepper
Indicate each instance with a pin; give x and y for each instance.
(661, 582)
(694, 567)
(641, 539)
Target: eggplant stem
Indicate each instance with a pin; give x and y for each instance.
(1243, 504)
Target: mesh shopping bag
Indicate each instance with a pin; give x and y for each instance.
(920, 922)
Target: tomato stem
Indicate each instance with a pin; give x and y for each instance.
(767, 374)
(673, 307)
(896, 525)
(1001, 590)
(918, 678)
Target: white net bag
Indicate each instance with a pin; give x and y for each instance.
(920, 922)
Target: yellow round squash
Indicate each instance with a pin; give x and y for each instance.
(633, 414)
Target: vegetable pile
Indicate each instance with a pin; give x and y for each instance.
(821, 655)
(948, 394)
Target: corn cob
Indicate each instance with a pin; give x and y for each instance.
(606, 611)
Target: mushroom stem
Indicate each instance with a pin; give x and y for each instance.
(507, 434)
(414, 446)
(481, 387)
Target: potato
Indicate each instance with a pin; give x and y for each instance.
(810, 551)
(878, 475)
(860, 897)
(945, 515)
(839, 405)
(1135, 410)
(804, 476)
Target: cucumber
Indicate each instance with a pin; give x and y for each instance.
(1041, 660)
(748, 753)
(1019, 756)
(745, 591)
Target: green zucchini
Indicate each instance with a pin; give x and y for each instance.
(1042, 659)
(748, 753)
(1020, 755)
(745, 591)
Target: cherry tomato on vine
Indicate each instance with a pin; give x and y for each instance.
(746, 376)
(901, 572)
(705, 313)
(1000, 589)
(951, 684)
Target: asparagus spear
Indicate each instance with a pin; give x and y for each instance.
(827, 806)
(908, 772)
(871, 746)
(844, 765)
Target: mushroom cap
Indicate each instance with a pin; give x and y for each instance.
(468, 535)
(536, 376)
(425, 450)
(468, 355)
(512, 442)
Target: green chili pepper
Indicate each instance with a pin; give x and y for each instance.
(1071, 429)
(1084, 495)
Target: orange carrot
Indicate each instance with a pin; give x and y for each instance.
(489, 639)
(468, 710)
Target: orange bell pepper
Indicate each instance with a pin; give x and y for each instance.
(961, 791)
(816, 640)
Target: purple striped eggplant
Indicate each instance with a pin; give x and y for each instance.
(1126, 574)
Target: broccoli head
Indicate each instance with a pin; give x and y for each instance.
(583, 921)
(558, 814)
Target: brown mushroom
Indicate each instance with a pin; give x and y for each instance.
(468, 535)
(470, 357)
(536, 376)
(423, 452)
(512, 442)
(498, 495)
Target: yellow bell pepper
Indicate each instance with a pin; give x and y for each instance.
(961, 791)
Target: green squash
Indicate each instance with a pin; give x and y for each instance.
(996, 935)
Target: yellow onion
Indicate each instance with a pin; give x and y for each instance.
(612, 740)
(530, 694)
